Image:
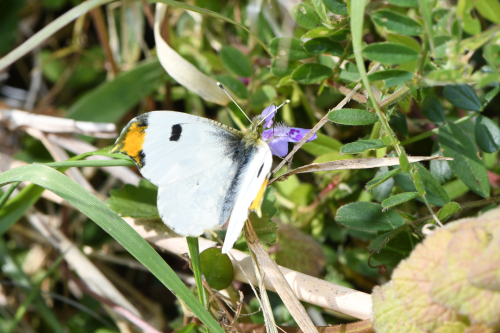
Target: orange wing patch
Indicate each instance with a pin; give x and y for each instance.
(131, 141)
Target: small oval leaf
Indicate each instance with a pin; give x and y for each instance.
(396, 22)
(217, 268)
(487, 134)
(235, 61)
(390, 53)
(311, 73)
(399, 199)
(462, 96)
(233, 84)
(324, 45)
(361, 146)
(368, 216)
(305, 16)
(281, 68)
(288, 48)
(431, 109)
(391, 77)
(468, 167)
(338, 7)
(381, 178)
(352, 117)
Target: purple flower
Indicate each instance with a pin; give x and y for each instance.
(277, 137)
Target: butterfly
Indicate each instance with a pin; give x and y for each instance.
(208, 174)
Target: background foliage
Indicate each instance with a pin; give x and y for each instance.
(430, 81)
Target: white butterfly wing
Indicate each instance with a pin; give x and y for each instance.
(252, 184)
(204, 171)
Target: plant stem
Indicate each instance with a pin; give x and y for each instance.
(194, 253)
(358, 10)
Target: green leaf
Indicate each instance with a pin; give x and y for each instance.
(404, 40)
(435, 193)
(396, 22)
(268, 206)
(379, 179)
(382, 189)
(340, 35)
(448, 210)
(320, 10)
(352, 117)
(349, 73)
(462, 96)
(281, 68)
(98, 212)
(305, 16)
(263, 95)
(135, 201)
(216, 268)
(235, 61)
(361, 146)
(318, 32)
(311, 73)
(390, 53)
(441, 45)
(488, 97)
(487, 134)
(470, 24)
(338, 7)
(111, 100)
(466, 164)
(233, 84)
(489, 9)
(403, 162)
(391, 77)
(399, 199)
(322, 145)
(264, 228)
(294, 250)
(378, 243)
(288, 48)
(404, 3)
(431, 109)
(368, 216)
(398, 122)
(324, 45)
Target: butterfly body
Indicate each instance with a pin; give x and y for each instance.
(208, 174)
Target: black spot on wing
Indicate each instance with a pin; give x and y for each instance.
(260, 170)
(176, 132)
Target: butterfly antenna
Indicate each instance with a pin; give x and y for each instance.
(224, 89)
(285, 102)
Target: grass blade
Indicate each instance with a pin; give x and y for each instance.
(109, 221)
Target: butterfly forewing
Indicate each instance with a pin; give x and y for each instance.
(200, 166)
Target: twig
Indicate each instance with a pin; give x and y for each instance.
(102, 34)
(309, 289)
(279, 282)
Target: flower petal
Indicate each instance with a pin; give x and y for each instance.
(296, 134)
(270, 119)
(279, 146)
